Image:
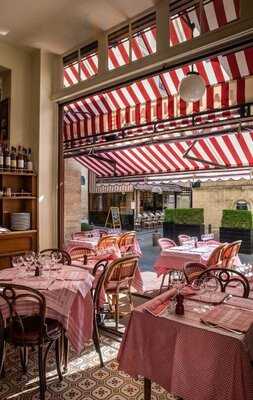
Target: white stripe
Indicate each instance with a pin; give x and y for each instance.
(242, 63)
(229, 8)
(211, 16)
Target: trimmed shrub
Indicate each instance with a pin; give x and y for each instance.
(237, 219)
(184, 216)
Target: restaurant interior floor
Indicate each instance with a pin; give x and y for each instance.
(85, 379)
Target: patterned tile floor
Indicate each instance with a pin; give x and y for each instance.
(84, 379)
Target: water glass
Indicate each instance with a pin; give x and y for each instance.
(18, 262)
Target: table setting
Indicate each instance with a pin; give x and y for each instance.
(66, 289)
(190, 330)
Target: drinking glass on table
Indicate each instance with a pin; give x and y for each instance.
(29, 261)
(178, 280)
(18, 262)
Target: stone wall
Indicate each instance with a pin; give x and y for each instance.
(75, 197)
(217, 196)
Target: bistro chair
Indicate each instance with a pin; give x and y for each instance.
(137, 223)
(24, 331)
(80, 254)
(183, 238)
(62, 255)
(193, 270)
(78, 235)
(107, 241)
(224, 277)
(214, 260)
(229, 253)
(126, 242)
(116, 278)
(165, 243)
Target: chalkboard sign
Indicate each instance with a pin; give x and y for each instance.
(113, 218)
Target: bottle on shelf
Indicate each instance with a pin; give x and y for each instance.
(1, 158)
(20, 159)
(7, 158)
(25, 158)
(29, 161)
(13, 159)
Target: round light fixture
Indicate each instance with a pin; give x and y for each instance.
(192, 87)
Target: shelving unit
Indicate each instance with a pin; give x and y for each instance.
(17, 242)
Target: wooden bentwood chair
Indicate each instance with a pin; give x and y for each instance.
(224, 277)
(107, 241)
(26, 331)
(80, 254)
(116, 278)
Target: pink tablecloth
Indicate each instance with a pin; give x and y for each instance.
(188, 358)
(68, 300)
(176, 259)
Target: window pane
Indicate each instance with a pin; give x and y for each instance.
(118, 48)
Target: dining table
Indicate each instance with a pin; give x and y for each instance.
(189, 355)
(67, 291)
(175, 258)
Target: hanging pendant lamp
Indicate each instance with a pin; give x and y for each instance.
(192, 87)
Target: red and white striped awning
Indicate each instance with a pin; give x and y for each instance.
(229, 82)
(227, 151)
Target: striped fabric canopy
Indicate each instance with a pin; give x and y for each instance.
(229, 82)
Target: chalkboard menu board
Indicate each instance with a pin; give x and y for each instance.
(113, 218)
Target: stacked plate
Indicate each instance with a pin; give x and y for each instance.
(20, 221)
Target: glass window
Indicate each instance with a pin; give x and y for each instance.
(118, 48)
(242, 205)
(194, 17)
(143, 42)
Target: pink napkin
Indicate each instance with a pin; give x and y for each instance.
(240, 302)
(159, 304)
(228, 317)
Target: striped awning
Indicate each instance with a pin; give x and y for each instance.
(93, 126)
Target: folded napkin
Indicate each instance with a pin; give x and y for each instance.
(224, 316)
(159, 304)
(240, 302)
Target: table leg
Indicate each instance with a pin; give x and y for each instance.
(147, 389)
(65, 353)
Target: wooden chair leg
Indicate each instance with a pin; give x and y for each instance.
(58, 358)
(130, 300)
(96, 341)
(42, 376)
(117, 311)
(147, 389)
(23, 351)
(65, 353)
(2, 358)
(161, 287)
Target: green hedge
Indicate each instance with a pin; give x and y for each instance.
(86, 227)
(184, 216)
(239, 219)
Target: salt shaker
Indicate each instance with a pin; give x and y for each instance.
(179, 310)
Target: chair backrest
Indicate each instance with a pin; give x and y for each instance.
(183, 238)
(166, 243)
(193, 270)
(12, 298)
(230, 251)
(107, 241)
(225, 276)
(77, 253)
(63, 255)
(215, 257)
(78, 235)
(127, 239)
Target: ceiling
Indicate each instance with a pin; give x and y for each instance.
(60, 25)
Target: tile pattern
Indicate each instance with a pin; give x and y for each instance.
(84, 379)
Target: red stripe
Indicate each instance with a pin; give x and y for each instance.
(248, 154)
(241, 91)
(232, 150)
(220, 12)
(225, 94)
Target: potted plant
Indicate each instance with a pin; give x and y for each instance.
(189, 221)
(238, 225)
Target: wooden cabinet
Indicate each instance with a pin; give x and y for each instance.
(23, 198)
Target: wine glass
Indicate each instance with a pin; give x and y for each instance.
(18, 262)
(29, 260)
(178, 280)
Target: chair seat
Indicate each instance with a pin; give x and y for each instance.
(111, 287)
(32, 331)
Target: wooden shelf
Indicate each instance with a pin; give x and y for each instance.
(18, 232)
(17, 173)
(18, 198)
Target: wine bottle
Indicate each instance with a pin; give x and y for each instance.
(29, 161)
(25, 158)
(7, 159)
(13, 159)
(20, 159)
(1, 158)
